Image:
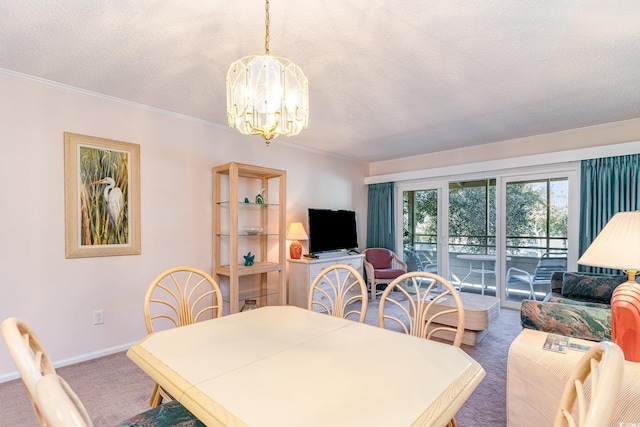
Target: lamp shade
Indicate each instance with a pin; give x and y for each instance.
(296, 232)
(618, 244)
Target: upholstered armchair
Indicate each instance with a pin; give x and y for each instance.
(578, 306)
(381, 267)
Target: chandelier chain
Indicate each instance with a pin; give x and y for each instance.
(267, 95)
(266, 23)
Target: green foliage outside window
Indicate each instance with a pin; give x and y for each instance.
(536, 213)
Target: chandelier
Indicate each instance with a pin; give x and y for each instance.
(267, 95)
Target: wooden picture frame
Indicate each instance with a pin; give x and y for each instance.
(102, 197)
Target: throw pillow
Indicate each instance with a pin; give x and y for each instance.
(590, 287)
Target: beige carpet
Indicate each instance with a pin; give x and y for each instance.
(113, 388)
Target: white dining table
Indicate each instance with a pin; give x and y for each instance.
(288, 366)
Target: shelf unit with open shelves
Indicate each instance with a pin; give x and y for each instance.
(236, 206)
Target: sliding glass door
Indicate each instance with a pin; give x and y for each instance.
(422, 228)
(488, 235)
(472, 235)
(535, 234)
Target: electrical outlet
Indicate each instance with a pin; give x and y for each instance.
(98, 317)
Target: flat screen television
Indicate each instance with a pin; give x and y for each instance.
(332, 230)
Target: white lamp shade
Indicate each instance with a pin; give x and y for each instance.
(296, 232)
(617, 245)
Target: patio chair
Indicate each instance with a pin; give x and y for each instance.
(418, 262)
(548, 263)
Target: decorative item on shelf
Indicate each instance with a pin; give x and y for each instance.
(296, 232)
(260, 197)
(249, 304)
(248, 259)
(267, 95)
(246, 200)
(252, 230)
(618, 246)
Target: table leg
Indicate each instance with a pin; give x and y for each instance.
(469, 273)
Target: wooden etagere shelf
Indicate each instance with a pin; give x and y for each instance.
(235, 188)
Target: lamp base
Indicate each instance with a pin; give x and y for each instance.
(625, 319)
(295, 250)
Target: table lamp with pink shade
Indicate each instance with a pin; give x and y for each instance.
(618, 246)
(296, 233)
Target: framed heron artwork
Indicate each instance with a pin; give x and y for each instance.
(102, 197)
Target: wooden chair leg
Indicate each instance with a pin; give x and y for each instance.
(156, 397)
(452, 423)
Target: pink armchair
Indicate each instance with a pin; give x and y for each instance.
(381, 266)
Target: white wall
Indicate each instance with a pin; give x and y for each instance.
(57, 296)
(609, 139)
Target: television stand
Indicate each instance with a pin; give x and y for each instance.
(332, 254)
(302, 273)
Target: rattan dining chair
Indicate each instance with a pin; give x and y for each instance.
(59, 404)
(61, 407)
(423, 313)
(592, 389)
(64, 409)
(180, 296)
(420, 313)
(340, 291)
(28, 355)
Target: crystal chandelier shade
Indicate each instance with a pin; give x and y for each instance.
(267, 95)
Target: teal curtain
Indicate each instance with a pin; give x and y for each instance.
(608, 185)
(380, 218)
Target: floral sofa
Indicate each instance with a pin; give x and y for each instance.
(578, 306)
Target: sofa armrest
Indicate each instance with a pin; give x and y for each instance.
(579, 321)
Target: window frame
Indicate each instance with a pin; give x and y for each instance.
(569, 169)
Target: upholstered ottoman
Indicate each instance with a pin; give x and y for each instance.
(480, 311)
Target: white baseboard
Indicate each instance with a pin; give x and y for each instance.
(73, 360)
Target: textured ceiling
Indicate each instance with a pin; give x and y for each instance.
(387, 79)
